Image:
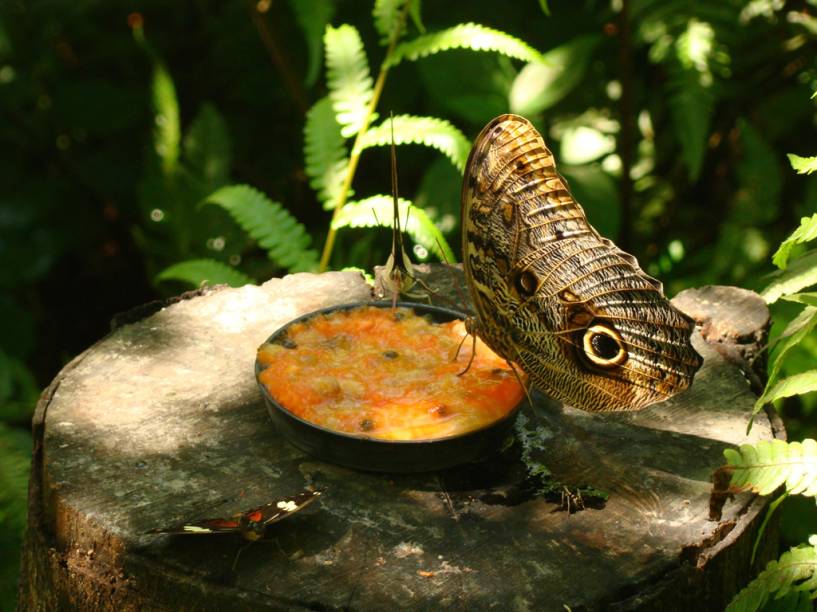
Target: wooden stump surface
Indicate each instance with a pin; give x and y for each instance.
(162, 421)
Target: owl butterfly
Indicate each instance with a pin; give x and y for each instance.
(573, 310)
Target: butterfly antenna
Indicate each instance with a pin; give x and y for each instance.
(397, 235)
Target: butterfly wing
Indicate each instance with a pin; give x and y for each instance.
(576, 312)
(250, 523)
(282, 508)
(203, 526)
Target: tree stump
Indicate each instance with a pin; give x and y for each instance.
(162, 421)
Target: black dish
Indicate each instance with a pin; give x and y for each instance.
(400, 456)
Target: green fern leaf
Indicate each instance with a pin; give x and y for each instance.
(797, 384)
(204, 271)
(798, 329)
(765, 466)
(429, 131)
(795, 570)
(349, 80)
(269, 224)
(324, 152)
(464, 36)
(806, 232)
(387, 15)
(313, 16)
(799, 274)
(377, 211)
(803, 165)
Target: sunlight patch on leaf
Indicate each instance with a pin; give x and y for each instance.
(806, 232)
(198, 272)
(269, 224)
(348, 77)
(796, 384)
(800, 273)
(429, 131)
(803, 165)
(325, 157)
(464, 36)
(377, 211)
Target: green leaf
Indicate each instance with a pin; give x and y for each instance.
(797, 384)
(799, 328)
(429, 131)
(348, 77)
(800, 273)
(313, 16)
(540, 85)
(464, 36)
(269, 224)
(324, 152)
(810, 299)
(769, 464)
(377, 211)
(204, 271)
(806, 232)
(387, 16)
(207, 147)
(416, 17)
(167, 130)
(795, 570)
(758, 196)
(690, 92)
(543, 4)
(15, 458)
(803, 165)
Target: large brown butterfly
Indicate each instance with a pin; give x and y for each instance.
(577, 313)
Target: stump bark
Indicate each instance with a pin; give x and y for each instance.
(162, 421)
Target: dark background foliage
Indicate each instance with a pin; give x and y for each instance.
(704, 128)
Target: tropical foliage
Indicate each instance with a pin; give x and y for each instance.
(133, 172)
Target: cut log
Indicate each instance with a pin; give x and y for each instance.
(162, 421)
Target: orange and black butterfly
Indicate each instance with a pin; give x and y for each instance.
(251, 524)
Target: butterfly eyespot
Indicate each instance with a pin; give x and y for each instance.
(603, 346)
(525, 283)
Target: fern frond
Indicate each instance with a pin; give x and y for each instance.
(464, 36)
(806, 232)
(429, 131)
(204, 271)
(377, 211)
(313, 16)
(795, 570)
(324, 152)
(386, 14)
(803, 165)
(765, 466)
(799, 274)
(348, 77)
(269, 224)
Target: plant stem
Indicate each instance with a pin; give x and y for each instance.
(354, 158)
